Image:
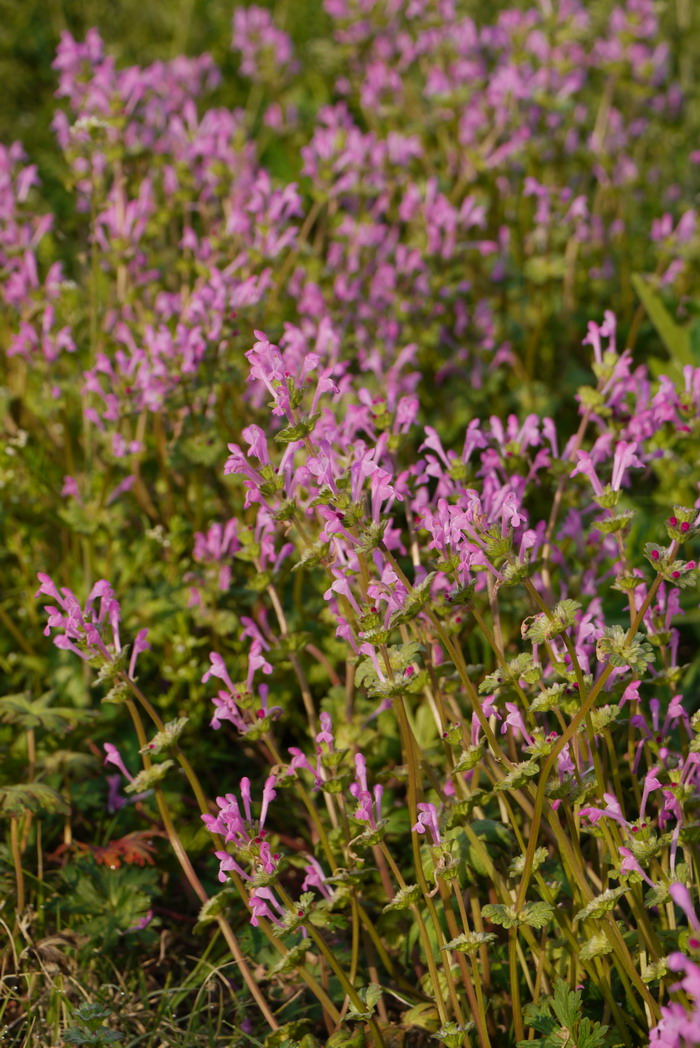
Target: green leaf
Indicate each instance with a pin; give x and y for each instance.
(91, 1014)
(596, 946)
(591, 1035)
(347, 1038)
(404, 898)
(565, 612)
(291, 960)
(518, 864)
(423, 1015)
(147, 779)
(539, 1017)
(497, 913)
(533, 914)
(522, 667)
(518, 776)
(549, 699)
(543, 627)
(635, 653)
(675, 337)
(312, 555)
(97, 1038)
(216, 905)
(370, 536)
(31, 796)
(105, 903)
(290, 1034)
(369, 995)
(612, 525)
(469, 942)
(566, 1028)
(566, 1004)
(452, 1035)
(656, 971)
(470, 758)
(167, 738)
(298, 431)
(602, 717)
(601, 905)
(536, 914)
(38, 713)
(416, 599)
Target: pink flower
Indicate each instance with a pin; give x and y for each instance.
(427, 820)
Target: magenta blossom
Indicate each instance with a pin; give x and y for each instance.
(427, 820)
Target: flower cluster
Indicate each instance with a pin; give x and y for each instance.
(437, 601)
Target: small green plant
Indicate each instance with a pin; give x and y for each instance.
(566, 1028)
(90, 1029)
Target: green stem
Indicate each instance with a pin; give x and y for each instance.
(191, 776)
(408, 743)
(196, 885)
(482, 1025)
(17, 863)
(515, 984)
(587, 705)
(425, 938)
(350, 990)
(475, 1004)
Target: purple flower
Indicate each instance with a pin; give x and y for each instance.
(369, 805)
(315, 878)
(114, 798)
(427, 820)
(245, 832)
(80, 629)
(260, 42)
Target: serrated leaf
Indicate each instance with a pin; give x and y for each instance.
(518, 776)
(347, 1038)
(31, 796)
(92, 1037)
(549, 699)
(290, 1035)
(612, 525)
(470, 942)
(602, 904)
(404, 898)
(497, 913)
(656, 971)
(149, 777)
(518, 864)
(166, 738)
(539, 1017)
(603, 716)
(636, 652)
(39, 713)
(596, 946)
(536, 914)
(416, 599)
(566, 1005)
(545, 627)
(369, 995)
(453, 1035)
(521, 667)
(469, 759)
(299, 430)
(216, 905)
(291, 960)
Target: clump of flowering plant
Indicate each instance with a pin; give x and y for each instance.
(422, 641)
